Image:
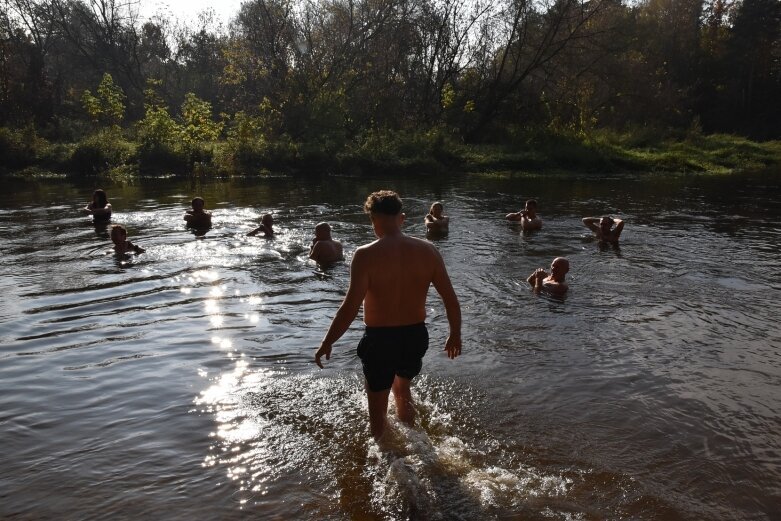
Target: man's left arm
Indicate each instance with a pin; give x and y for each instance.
(619, 227)
(444, 287)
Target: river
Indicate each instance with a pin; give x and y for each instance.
(180, 383)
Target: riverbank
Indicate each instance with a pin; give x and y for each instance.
(117, 154)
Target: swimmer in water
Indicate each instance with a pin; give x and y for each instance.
(391, 277)
(553, 283)
(603, 227)
(266, 226)
(324, 249)
(436, 221)
(121, 244)
(198, 217)
(99, 208)
(527, 217)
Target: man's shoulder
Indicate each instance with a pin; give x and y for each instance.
(403, 242)
(417, 244)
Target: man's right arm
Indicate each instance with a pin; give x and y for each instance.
(314, 251)
(444, 287)
(359, 285)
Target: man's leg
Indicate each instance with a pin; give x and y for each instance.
(403, 397)
(378, 409)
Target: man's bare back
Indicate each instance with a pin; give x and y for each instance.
(391, 277)
(400, 270)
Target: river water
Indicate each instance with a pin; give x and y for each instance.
(179, 384)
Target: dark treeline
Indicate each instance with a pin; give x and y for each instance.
(330, 70)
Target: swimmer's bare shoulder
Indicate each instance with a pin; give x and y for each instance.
(554, 287)
(410, 251)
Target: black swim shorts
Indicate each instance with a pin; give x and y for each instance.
(389, 351)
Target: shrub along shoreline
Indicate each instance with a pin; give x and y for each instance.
(114, 152)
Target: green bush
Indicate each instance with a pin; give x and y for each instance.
(13, 152)
(20, 147)
(386, 151)
(280, 155)
(163, 158)
(100, 152)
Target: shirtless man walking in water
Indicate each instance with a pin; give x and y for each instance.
(391, 276)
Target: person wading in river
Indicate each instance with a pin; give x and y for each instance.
(391, 276)
(603, 228)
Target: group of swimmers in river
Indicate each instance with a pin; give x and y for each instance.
(606, 229)
(325, 250)
(390, 278)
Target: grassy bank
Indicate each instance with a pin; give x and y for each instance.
(113, 152)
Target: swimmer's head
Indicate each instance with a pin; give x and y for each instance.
(606, 222)
(198, 203)
(267, 220)
(383, 202)
(323, 231)
(531, 204)
(118, 234)
(99, 198)
(559, 267)
(436, 209)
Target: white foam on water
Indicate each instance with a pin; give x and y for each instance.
(302, 433)
(447, 477)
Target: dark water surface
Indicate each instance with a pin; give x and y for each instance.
(179, 384)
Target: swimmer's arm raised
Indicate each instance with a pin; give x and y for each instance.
(444, 287)
(536, 278)
(431, 223)
(591, 223)
(314, 251)
(359, 285)
(619, 227)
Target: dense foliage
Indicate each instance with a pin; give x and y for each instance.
(324, 78)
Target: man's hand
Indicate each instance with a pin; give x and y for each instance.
(326, 350)
(453, 346)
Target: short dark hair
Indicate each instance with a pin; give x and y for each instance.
(532, 202)
(386, 202)
(198, 199)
